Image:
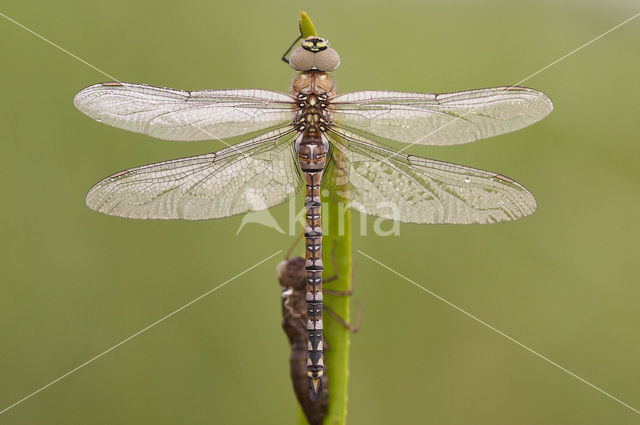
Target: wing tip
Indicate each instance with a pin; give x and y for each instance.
(541, 97)
(78, 99)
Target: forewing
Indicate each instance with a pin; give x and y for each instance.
(250, 176)
(412, 189)
(184, 115)
(440, 119)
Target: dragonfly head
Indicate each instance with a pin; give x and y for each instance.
(315, 44)
(314, 54)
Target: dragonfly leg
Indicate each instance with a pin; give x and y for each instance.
(335, 276)
(291, 309)
(348, 326)
(284, 57)
(346, 293)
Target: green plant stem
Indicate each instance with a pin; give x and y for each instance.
(338, 235)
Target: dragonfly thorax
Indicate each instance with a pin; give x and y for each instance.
(314, 82)
(312, 91)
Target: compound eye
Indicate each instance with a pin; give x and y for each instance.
(301, 59)
(327, 60)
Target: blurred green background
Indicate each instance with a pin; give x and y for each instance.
(564, 281)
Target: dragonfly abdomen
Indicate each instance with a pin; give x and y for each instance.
(312, 157)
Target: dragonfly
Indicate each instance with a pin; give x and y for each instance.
(315, 138)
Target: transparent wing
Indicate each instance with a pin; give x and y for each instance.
(184, 115)
(250, 176)
(440, 119)
(418, 190)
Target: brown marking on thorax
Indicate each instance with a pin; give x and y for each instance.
(313, 91)
(314, 82)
